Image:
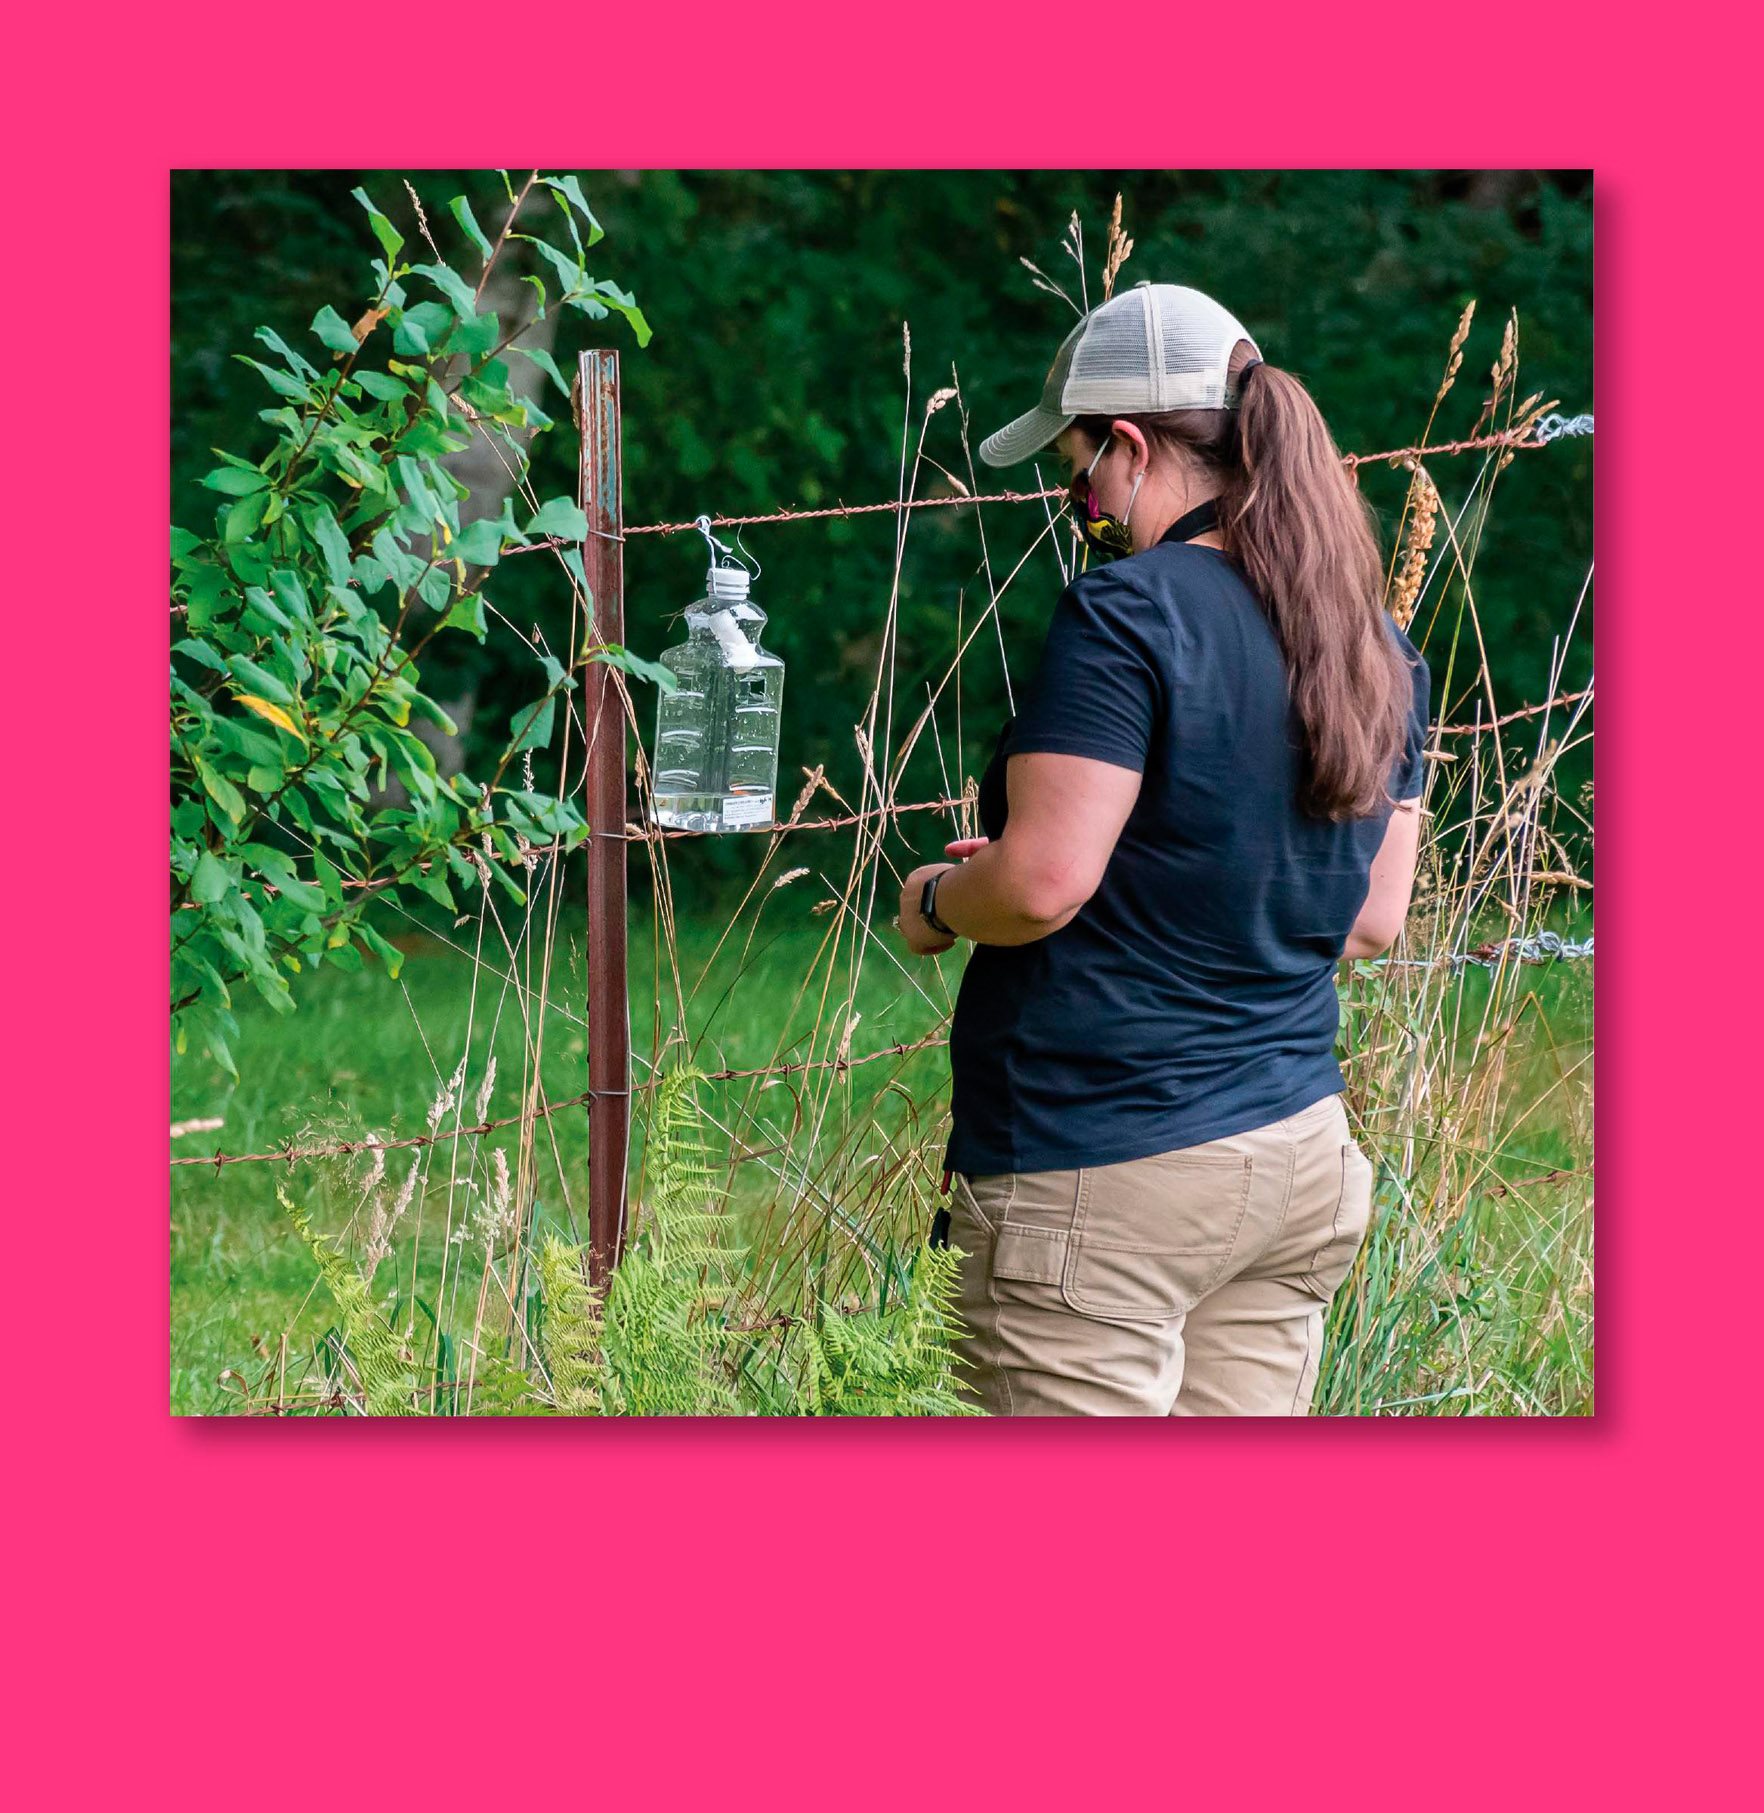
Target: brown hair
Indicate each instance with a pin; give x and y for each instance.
(1295, 521)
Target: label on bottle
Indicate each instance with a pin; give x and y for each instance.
(748, 809)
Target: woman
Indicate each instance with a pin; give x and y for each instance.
(1209, 795)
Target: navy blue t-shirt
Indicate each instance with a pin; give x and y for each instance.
(1193, 995)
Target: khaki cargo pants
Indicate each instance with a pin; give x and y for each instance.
(1191, 1283)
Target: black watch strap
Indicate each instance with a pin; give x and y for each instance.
(928, 905)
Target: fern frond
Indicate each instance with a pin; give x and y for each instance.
(382, 1367)
(900, 1362)
(573, 1343)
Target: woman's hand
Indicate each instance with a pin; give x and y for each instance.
(919, 937)
(963, 847)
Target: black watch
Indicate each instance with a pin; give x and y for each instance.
(928, 905)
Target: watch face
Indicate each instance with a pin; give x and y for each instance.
(928, 905)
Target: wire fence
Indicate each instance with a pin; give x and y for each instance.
(1536, 948)
(1540, 948)
(1529, 439)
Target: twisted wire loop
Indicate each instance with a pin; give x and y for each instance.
(1553, 427)
(1533, 947)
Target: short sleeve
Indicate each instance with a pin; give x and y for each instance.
(1410, 767)
(1102, 681)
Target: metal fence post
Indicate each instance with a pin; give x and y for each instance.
(603, 704)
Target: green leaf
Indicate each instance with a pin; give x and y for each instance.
(421, 328)
(260, 680)
(391, 240)
(636, 666)
(559, 517)
(478, 542)
(245, 518)
(572, 275)
(388, 953)
(222, 792)
(477, 338)
(278, 381)
(236, 481)
(193, 650)
(333, 331)
(570, 188)
(333, 544)
(462, 212)
(467, 613)
(280, 873)
(291, 594)
(303, 368)
(270, 618)
(546, 364)
(451, 285)
(328, 877)
(626, 304)
(531, 725)
(422, 706)
(382, 387)
(404, 567)
(210, 880)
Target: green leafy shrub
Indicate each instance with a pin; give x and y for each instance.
(337, 553)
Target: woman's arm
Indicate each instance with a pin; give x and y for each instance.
(1066, 813)
(1393, 881)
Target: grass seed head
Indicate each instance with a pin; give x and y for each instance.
(1423, 513)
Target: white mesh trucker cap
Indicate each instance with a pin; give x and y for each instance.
(1155, 347)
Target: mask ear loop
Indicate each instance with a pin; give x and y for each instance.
(1090, 470)
(1127, 514)
(1132, 496)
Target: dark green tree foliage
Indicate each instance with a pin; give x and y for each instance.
(326, 562)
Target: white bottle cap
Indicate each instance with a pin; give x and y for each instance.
(728, 585)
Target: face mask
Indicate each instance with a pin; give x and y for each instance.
(1105, 535)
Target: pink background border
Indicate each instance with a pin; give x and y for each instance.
(267, 1616)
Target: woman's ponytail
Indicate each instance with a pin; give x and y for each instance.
(1296, 522)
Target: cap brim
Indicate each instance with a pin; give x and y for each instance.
(1027, 435)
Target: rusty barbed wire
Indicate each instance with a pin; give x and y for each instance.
(1529, 439)
(1513, 717)
(347, 1148)
(1522, 441)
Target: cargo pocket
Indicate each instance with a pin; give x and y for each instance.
(1334, 1259)
(1151, 1237)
